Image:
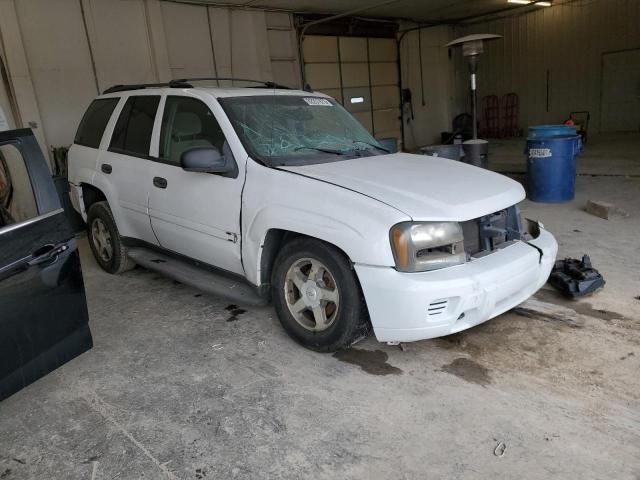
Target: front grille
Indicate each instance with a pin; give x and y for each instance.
(485, 234)
(471, 232)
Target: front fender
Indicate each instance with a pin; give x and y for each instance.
(275, 199)
(282, 217)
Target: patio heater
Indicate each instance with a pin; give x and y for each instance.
(475, 150)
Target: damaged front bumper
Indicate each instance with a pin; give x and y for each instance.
(406, 307)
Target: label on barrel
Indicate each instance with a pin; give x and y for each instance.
(540, 153)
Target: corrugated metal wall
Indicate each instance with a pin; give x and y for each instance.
(60, 54)
(435, 85)
(566, 40)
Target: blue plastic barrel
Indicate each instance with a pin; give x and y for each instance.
(552, 131)
(551, 168)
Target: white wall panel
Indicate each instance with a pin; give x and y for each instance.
(17, 66)
(221, 36)
(188, 40)
(120, 39)
(283, 49)
(49, 48)
(59, 62)
(250, 45)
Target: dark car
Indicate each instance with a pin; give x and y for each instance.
(43, 311)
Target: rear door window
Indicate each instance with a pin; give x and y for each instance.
(132, 134)
(95, 121)
(17, 199)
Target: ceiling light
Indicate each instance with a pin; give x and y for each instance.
(520, 2)
(543, 4)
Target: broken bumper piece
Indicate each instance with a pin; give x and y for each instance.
(406, 307)
(576, 278)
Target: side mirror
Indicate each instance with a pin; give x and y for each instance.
(205, 160)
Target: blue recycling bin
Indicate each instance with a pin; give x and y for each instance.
(552, 153)
(551, 131)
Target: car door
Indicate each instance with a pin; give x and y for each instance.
(43, 311)
(195, 214)
(124, 166)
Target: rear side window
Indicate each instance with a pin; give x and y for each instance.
(132, 133)
(95, 121)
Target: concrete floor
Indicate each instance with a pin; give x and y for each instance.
(178, 387)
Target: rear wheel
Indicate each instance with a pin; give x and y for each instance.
(317, 296)
(105, 240)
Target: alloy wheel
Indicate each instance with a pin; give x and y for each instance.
(102, 240)
(312, 294)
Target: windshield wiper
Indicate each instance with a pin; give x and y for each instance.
(320, 149)
(373, 145)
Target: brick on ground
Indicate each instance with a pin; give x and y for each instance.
(603, 209)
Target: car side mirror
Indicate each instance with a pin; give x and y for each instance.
(205, 160)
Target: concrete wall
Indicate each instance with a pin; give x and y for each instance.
(435, 115)
(60, 54)
(568, 41)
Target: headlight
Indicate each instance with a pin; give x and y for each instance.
(422, 246)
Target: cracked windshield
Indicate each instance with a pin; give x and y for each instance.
(298, 130)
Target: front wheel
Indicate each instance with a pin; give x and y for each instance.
(317, 296)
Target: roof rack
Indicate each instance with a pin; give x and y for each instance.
(265, 84)
(185, 83)
(141, 86)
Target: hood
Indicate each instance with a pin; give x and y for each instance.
(423, 187)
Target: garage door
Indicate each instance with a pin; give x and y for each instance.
(621, 91)
(362, 74)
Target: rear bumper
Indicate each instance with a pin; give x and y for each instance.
(405, 307)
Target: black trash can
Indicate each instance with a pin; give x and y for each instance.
(476, 152)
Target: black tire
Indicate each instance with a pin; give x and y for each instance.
(118, 261)
(351, 321)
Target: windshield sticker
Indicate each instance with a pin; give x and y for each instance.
(315, 101)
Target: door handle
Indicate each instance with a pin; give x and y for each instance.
(47, 253)
(160, 182)
(106, 168)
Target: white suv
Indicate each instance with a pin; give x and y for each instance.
(268, 193)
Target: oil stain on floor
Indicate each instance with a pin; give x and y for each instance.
(468, 370)
(370, 361)
(583, 308)
(234, 311)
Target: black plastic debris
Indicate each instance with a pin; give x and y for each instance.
(576, 278)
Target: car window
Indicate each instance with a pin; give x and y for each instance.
(17, 199)
(95, 121)
(133, 130)
(187, 123)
